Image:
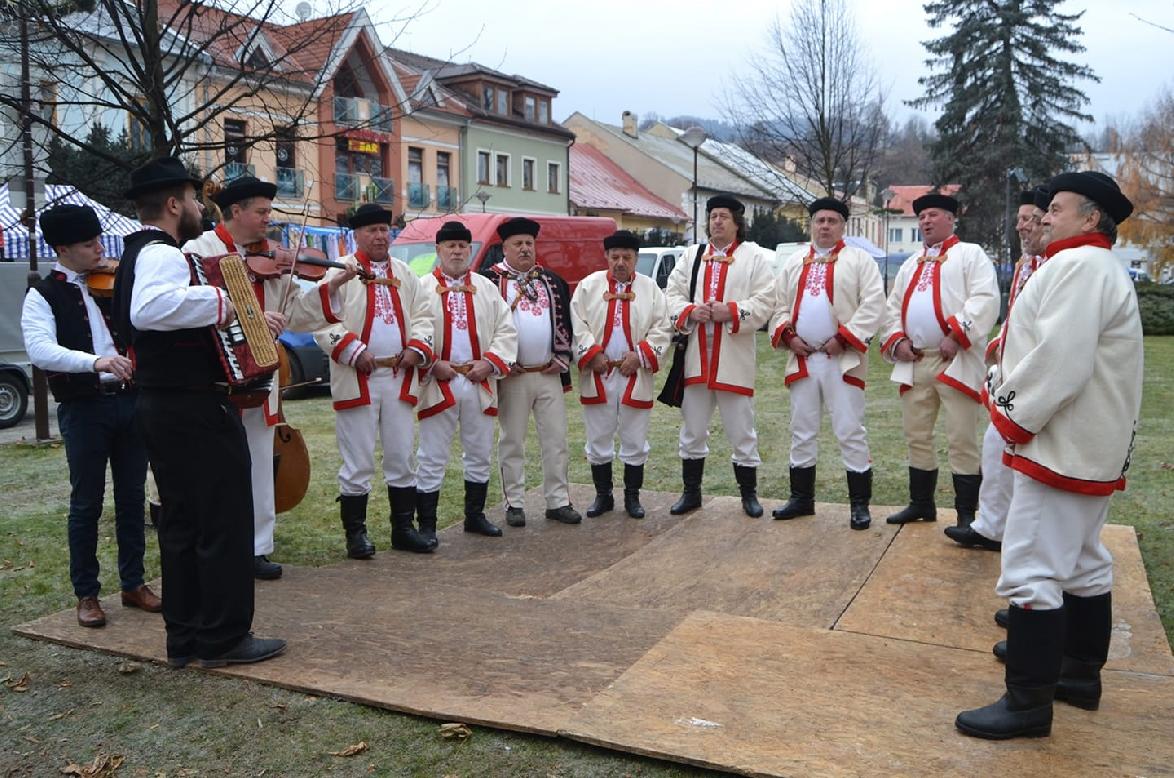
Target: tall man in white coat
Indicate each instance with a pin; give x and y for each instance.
(831, 302)
(382, 333)
(733, 296)
(1066, 396)
(245, 205)
(476, 344)
(621, 336)
(943, 303)
(994, 496)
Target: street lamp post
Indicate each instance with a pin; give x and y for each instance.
(693, 138)
(887, 196)
(483, 196)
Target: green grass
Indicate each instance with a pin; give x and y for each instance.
(79, 705)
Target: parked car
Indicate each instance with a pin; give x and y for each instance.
(657, 262)
(571, 246)
(308, 364)
(15, 369)
(1139, 276)
(15, 386)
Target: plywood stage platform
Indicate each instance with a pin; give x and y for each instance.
(754, 646)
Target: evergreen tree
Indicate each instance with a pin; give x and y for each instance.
(1008, 101)
(96, 175)
(770, 229)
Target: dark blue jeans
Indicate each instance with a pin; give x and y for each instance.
(98, 430)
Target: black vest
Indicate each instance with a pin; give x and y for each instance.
(72, 319)
(163, 360)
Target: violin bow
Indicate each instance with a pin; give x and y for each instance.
(301, 237)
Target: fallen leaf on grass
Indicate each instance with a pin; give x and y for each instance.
(126, 668)
(354, 750)
(103, 766)
(17, 684)
(1167, 466)
(455, 731)
(64, 683)
(61, 715)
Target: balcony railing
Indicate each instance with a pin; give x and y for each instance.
(446, 198)
(419, 196)
(346, 186)
(234, 170)
(380, 190)
(369, 189)
(290, 182)
(355, 112)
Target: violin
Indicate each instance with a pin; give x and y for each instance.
(310, 264)
(100, 280)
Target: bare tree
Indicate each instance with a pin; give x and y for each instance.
(174, 68)
(812, 98)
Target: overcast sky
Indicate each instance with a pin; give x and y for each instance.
(676, 58)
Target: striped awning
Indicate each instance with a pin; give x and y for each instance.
(16, 238)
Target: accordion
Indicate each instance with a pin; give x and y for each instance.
(246, 347)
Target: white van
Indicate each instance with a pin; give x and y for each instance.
(657, 262)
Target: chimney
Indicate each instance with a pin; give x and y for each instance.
(630, 121)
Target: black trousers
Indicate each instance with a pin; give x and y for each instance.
(200, 458)
(97, 430)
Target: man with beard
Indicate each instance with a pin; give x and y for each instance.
(942, 305)
(194, 436)
(994, 496)
(831, 302)
(621, 336)
(1065, 395)
(475, 344)
(732, 296)
(540, 305)
(245, 205)
(384, 331)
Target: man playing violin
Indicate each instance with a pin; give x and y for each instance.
(381, 335)
(245, 205)
(68, 334)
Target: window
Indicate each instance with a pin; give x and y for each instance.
(529, 107)
(895, 234)
(914, 234)
(503, 98)
(483, 167)
(528, 174)
(257, 59)
(488, 98)
(442, 164)
(544, 111)
(49, 102)
(415, 165)
(553, 177)
(286, 144)
(502, 165)
(234, 140)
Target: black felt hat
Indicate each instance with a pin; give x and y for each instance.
(828, 204)
(1027, 197)
(66, 224)
(725, 201)
(369, 214)
(519, 225)
(159, 174)
(242, 189)
(1041, 197)
(1097, 187)
(935, 200)
(453, 230)
(621, 239)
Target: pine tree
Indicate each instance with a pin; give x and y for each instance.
(1008, 101)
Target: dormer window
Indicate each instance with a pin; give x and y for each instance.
(529, 107)
(257, 59)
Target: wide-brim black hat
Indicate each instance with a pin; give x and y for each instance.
(453, 230)
(159, 174)
(935, 200)
(828, 204)
(519, 225)
(68, 223)
(1027, 197)
(725, 201)
(1097, 187)
(242, 189)
(369, 214)
(621, 239)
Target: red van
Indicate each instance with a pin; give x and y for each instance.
(571, 246)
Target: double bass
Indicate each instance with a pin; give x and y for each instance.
(291, 458)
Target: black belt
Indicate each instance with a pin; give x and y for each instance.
(112, 388)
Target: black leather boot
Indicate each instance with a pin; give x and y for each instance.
(1002, 617)
(802, 501)
(475, 520)
(966, 497)
(604, 500)
(403, 510)
(692, 471)
(968, 537)
(1035, 643)
(859, 495)
(1086, 647)
(633, 480)
(353, 510)
(922, 484)
(747, 478)
(426, 515)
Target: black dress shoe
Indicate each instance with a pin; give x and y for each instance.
(966, 536)
(247, 651)
(264, 570)
(479, 525)
(179, 662)
(515, 517)
(1002, 616)
(565, 514)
